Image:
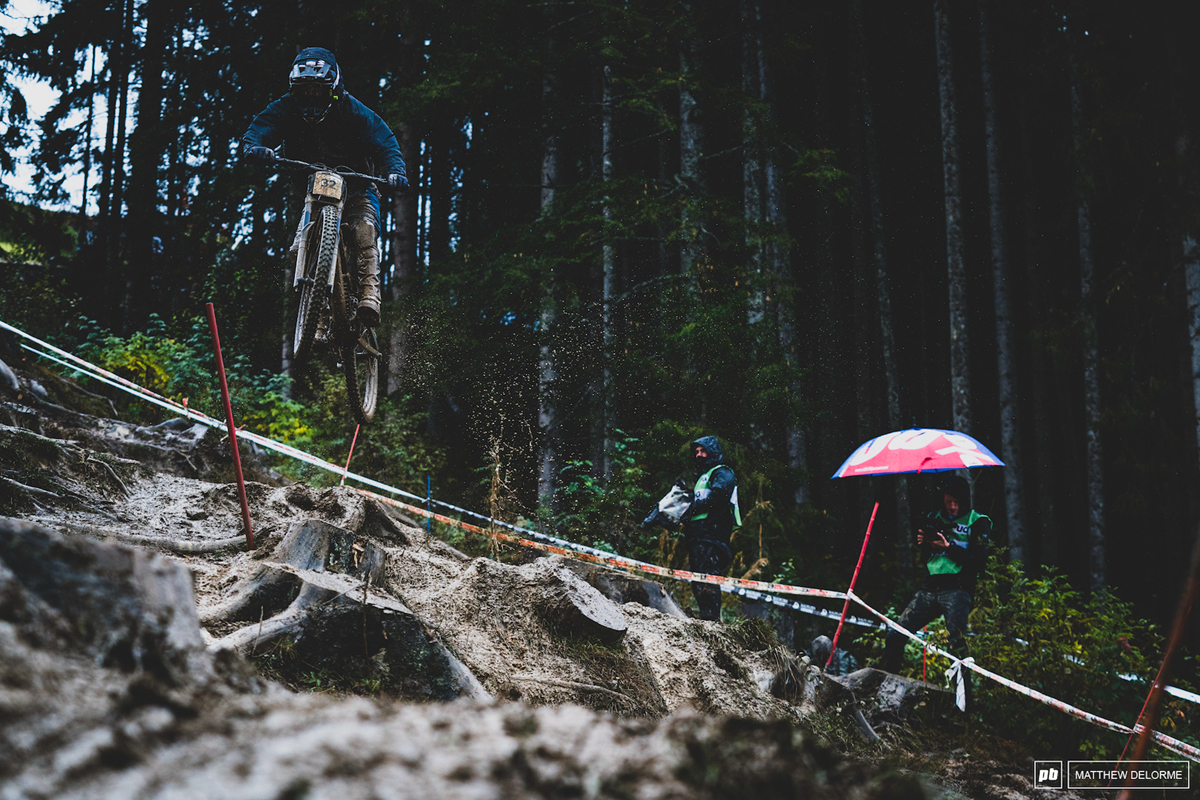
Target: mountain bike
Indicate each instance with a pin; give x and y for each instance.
(328, 288)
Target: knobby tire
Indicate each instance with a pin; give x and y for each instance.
(315, 289)
(360, 367)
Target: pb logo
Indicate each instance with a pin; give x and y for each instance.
(1047, 774)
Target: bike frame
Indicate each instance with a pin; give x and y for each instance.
(325, 187)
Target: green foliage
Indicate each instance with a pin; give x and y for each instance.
(608, 516)
(184, 369)
(34, 235)
(34, 299)
(1043, 634)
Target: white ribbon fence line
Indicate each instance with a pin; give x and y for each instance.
(605, 558)
(1174, 745)
(85, 367)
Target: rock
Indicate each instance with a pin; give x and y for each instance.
(8, 379)
(884, 697)
(622, 588)
(572, 607)
(123, 606)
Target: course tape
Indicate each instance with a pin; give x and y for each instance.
(1182, 748)
(562, 547)
(570, 549)
(527, 537)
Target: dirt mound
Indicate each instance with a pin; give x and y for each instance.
(109, 691)
(132, 621)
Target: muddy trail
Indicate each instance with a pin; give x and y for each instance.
(145, 652)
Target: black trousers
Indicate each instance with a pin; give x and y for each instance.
(706, 555)
(926, 606)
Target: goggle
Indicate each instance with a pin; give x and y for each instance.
(312, 92)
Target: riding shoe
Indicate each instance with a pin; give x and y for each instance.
(368, 295)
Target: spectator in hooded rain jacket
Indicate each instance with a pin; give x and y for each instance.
(709, 521)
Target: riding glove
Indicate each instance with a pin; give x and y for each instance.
(259, 153)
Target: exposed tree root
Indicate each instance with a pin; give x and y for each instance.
(167, 543)
(314, 596)
(587, 687)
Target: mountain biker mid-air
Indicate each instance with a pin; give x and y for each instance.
(321, 122)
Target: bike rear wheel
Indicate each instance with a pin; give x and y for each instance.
(358, 344)
(314, 290)
(360, 362)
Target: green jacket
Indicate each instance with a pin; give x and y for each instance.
(958, 566)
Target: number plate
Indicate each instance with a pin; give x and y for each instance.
(328, 184)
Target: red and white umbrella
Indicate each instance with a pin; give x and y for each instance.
(913, 450)
(917, 450)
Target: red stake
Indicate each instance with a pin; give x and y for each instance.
(233, 445)
(846, 607)
(350, 455)
(924, 650)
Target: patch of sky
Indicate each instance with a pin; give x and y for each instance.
(21, 17)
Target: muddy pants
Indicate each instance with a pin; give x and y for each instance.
(926, 606)
(705, 555)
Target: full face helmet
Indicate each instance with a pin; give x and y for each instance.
(314, 85)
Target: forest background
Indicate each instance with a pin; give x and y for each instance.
(793, 225)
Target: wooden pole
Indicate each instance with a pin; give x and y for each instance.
(233, 445)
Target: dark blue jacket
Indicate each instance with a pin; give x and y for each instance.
(718, 525)
(351, 135)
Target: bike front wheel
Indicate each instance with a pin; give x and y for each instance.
(315, 289)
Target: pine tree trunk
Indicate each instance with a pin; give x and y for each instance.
(608, 289)
(1191, 277)
(960, 379)
(440, 190)
(1091, 359)
(827, 333)
(548, 321)
(87, 141)
(883, 291)
(404, 212)
(778, 304)
(1187, 213)
(1043, 525)
(752, 168)
(107, 238)
(146, 145)
(116, 244)
(691, 146)
(1010, 439)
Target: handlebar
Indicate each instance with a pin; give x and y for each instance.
(345, 173)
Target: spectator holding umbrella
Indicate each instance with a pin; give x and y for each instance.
(930, 450)
(953, 542)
